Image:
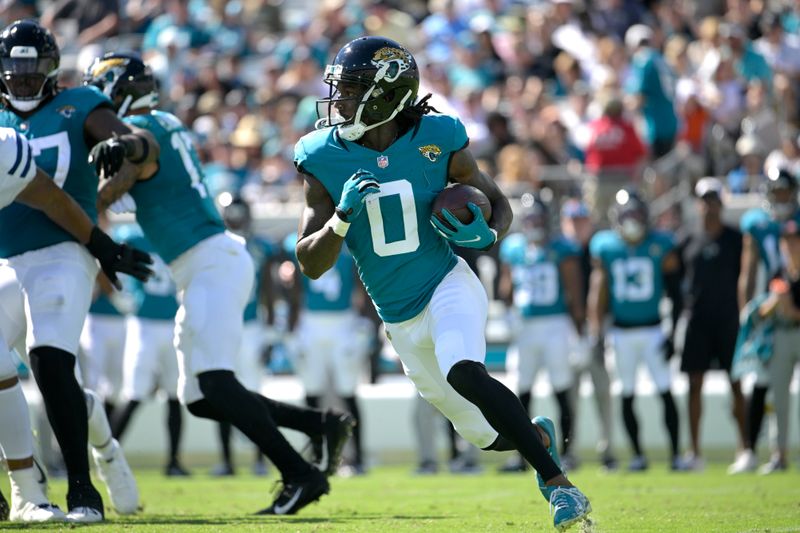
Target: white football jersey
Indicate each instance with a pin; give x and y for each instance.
(17, 167)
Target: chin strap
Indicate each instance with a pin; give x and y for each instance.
(357, 129)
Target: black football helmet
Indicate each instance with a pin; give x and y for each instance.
(237, 216)
(384, 80)
(630, 215)
(125, 79)
(780, 193)
(535, 218)
(29, 59)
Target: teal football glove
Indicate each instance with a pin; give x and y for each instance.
(476, 234)
(355, 190)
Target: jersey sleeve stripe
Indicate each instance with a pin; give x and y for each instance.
(28, 162)
(18, 160)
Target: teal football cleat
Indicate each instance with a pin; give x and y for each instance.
(548, 427)
(568, 505)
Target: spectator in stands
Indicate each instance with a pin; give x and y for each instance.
(711, 259)
(174, 27)
(651, 90)
(750, 174)
(613, 157)
(96, 19)
(11, 10)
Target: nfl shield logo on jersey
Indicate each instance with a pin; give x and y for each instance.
(383, 161)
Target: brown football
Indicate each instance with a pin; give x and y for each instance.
(455, 199)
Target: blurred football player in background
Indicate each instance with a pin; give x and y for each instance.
(633, 266)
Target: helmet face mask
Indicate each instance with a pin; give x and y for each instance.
(370, 81)
(630, 216)
(780, 194)
(125, 79)
(29, 59)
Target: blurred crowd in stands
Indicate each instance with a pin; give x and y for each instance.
(574, 95)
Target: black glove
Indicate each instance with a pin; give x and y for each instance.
(668, 348)
(115, 257)
(107, 156)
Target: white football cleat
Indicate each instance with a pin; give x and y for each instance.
(32, 512)
(85, 515)
(746, 461)
(120, 483)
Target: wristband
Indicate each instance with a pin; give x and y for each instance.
(337, 225)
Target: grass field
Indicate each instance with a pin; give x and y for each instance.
(390, 500)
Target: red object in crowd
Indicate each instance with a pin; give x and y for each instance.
(613, 145)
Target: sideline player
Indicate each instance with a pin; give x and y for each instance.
(214, 274)
(55, 273)
(330, 339)
(540, 275)
(372, 171)
(632, 267)
(150, 361)
(22, 181)
(249, 369)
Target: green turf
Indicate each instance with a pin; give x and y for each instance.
(390, 500)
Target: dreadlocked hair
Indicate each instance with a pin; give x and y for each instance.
(412, 115)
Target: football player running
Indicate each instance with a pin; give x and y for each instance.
(22, 181)
(372, 171)
(632, 267)
(213, 274)
(55, 273)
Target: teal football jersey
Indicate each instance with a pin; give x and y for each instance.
(260, 250)
(332, 291)
(400, 257)
(635, 277)
(55, 132)
(102, 306)
(155, 298)
(536, 274)
(173, 207)
(766, 232)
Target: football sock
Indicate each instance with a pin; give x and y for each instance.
(99, 431)
(109, 408)
(452, 437)
(24, 486)
(525, 400)
(54, 370)
(755, 414)
(303, 419)
(224, 392)
(312, 401)
(631, 424)
(352, 406)
(565, 419)
(16, 440)
(225, 430)
(671, 421)
(504, 412)
(174, 426)
(122, 417)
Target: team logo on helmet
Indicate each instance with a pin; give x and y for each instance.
(391, 62)
(103, 66)
(431, 152)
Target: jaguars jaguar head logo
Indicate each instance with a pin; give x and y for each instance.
(390, 62)
(431, 152)
(103, 66)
